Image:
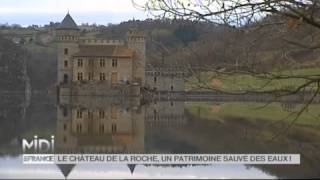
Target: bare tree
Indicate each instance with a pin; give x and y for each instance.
(234, 12)
(238, 13)
(246, 15)
(243, 15)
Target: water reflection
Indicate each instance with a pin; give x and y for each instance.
(129, 125)
(100, 125)
(112, 125)
(14, 170)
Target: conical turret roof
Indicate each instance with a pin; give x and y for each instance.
(66, 169)
(68, 23)
(131, 167)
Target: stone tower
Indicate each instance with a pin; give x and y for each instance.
(137, 41)
(67, 36)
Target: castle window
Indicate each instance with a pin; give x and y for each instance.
(66, 51)
(114, 62)
(102, 63)
(101, 129)
(79, 114)
(101, 114)
(80, 76)
(114, 112)
(65, 126)
(114, 78)
(79, 128)
(91, 62)
(114, 128)
(65, 78)
(80, 63)
(66, 63)
(90, 76)
(171, 88)
(155, 80)
(65, 112)
(102, 76)
(90, 115)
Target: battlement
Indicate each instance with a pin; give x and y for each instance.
(101, 42)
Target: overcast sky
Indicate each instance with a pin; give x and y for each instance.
(27, 12)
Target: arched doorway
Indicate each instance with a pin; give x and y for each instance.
(65, 78)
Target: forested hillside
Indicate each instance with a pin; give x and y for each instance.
(12, 66)
(273, 43)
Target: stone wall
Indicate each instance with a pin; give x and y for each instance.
(165, 79)
(94, 89)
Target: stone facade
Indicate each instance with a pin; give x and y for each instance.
(85, 65)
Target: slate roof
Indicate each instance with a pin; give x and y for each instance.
(68, 23)
(119, 51)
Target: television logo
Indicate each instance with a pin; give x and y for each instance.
(38, 145)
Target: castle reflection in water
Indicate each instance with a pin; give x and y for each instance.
(88, 124)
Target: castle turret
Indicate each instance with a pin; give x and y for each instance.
(137, 41)
(67, 37)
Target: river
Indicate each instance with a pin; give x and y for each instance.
(129, 125)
